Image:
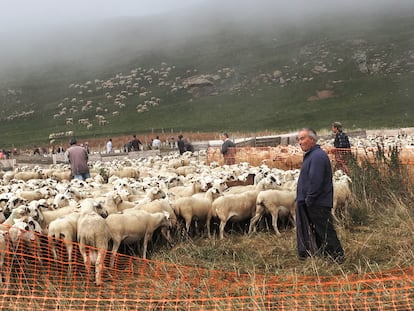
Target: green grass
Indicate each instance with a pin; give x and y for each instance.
(243, 103)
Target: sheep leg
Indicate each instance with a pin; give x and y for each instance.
(144, 244)
(166, 233)
(208, 227)
(82, 250)
(222, 225)
(115, 247)
(37, 250)
(188, 224)
(275, 215)
(69, 249)
(99, 266)
(256, 217)
(53, 247)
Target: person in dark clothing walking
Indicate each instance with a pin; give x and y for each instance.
(135, 143)
(181, 144)
(184, 145)
(228, 149)
(315, 232)
(341, 144)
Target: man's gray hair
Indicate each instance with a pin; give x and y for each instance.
(311, 133)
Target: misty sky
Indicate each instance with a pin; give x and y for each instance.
(30, 29)
(20, 12)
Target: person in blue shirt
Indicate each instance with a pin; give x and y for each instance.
(315, 232)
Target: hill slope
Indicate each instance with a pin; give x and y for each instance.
(269, 76)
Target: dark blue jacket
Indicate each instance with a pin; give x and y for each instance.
(315, 180)
(341, 140)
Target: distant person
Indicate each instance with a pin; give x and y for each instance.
(109, 146)
(86, 146)
(78, 159)
(128, 146)
(172, 142)
(181, 144)
(156, 143)
(135, 143)
(315, 232)
(36, 151)
(341, 144)
(228, 149)
(184, 145)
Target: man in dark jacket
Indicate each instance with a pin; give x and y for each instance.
(135, 143)
(184, 145)
(181, 144)
(341, 139)
(228, 149)
(315, 232)
(342, 145)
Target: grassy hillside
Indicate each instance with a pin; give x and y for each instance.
(244, 79)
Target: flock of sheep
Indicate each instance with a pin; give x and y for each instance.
(107, 98)
(126, 201)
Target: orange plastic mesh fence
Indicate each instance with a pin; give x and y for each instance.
(31, 279)
(290, 157)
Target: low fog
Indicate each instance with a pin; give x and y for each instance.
(41, 33)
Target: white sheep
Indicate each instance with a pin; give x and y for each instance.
(65, 228)
(114, 203)
(268, 182)
(342, 194)
(16, 213)
(24, 231)
(125, 172)
(93, 231)
(237, 207)
(186, 191)
(198, 206)
(48, 216)
(63, 199)
(133, 227)
(157, 206)
(274, 202)
(154, 193)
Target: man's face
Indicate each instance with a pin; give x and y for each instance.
(334, 129)
(305, 141)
